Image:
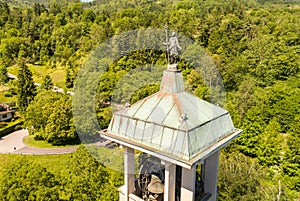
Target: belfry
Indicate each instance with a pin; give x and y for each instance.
(178, 137)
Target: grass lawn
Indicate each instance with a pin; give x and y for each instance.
(38, 73)
(4, 99)
(30, 141)
(56, 164)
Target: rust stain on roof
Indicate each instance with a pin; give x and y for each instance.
(177, 103)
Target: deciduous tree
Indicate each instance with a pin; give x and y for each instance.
(24, 180)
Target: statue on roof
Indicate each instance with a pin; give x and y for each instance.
(172, 47)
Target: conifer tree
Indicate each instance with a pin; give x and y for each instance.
(47, 82)
(3, 73)
(26, 87)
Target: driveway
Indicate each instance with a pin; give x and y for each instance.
(13, 143)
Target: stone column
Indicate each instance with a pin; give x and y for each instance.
(210, 174)
(170, 181)
(188, 184)
(128, 171)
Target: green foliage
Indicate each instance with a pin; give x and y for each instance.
(60, 128)
(24, 180)
(3, 73)
(255, 46)
(47, 82)
(26, 87)
(144, 92)
(269, 144)
(242, 178)
(239, 178)
(10, 127)
(49, 117)
(38, 176)
(291, 166)
(32, 142)
(104, 116)
(89, 179)
(196, 85)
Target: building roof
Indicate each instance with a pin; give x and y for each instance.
(5, 109)
(172, 124)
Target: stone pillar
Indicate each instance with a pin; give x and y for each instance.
(188, 180)
(170, 181)
(210, 174)
(128, 171)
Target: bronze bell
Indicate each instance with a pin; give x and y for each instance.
(155, 186)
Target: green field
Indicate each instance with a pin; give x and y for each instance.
(38, 72)
(4, 99)
(58, 164)
(30, 141)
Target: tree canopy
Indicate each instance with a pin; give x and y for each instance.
(24, 180)
(49, 117)
(254, 45)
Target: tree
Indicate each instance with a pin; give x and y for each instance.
(4, 9)
(26, 87)
(143, 92)
(88, 179)
(239, 178)
(291, 166)
(196, 84)
(24, 180)
(3, 73)
(47, 82)
(104, 116)
(269, 145)
(60, 129)
(49, 117)
(70, 77)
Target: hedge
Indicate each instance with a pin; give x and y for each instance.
(11, 127)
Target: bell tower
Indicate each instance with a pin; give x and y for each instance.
(179, 137)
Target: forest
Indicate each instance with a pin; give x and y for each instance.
(255, 46)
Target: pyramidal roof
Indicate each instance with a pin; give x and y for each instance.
(172, 124)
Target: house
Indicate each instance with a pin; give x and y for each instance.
(6, 113)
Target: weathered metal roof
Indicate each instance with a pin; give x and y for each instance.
(173, 124)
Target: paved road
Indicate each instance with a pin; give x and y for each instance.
(13, 143)
(44, 151)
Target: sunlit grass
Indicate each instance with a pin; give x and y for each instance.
(30, 141)
(39, 72)
(5, 99)
(56, 164)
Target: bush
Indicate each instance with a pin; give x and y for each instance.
(11, 127)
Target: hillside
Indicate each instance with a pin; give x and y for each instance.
(254, 46)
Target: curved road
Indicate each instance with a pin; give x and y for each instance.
(13, 143)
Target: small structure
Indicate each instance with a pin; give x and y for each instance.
(176, 132)
(6, 113)
(172, 49)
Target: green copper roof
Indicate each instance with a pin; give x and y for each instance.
(173, 123)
